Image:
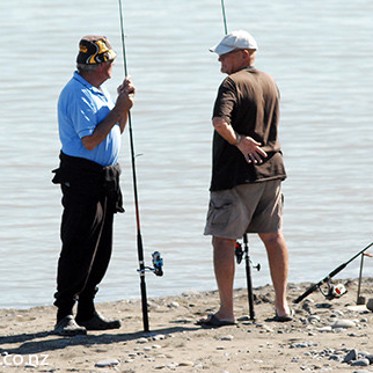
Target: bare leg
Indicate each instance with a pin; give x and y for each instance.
(224, 268)
(278, 262)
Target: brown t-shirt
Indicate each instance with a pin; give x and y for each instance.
(249, 101)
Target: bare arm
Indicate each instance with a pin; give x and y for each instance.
(250, 148)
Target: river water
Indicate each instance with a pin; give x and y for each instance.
(321, 57)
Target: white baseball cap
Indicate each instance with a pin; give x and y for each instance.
(235, 40)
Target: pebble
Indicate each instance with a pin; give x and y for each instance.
(351, 355)
(313, 318)
(226, 338)
(325, 329)
(172, 366)
(142, 340)
(29, 365)
(173, 305)
(343, 324)
(303, 344)
(160, 366)
(158, 337)
(107, 363)
(360, 363)
(186, 364)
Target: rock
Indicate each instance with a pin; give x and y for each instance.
(226, 338)
(370, 304)
(107, 363)
(344, 324)
(335, 358)
(158, 337)
(299, 345)
(313, 318)
(186, 364)
(351, 355)
(244, 318)
(325, 329)
(173, 305)
(160, 366)
(360, 363)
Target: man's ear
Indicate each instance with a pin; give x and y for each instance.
(246, 54)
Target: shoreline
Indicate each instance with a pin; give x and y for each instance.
(319, 338)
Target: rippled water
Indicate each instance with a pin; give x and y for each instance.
(320, 54)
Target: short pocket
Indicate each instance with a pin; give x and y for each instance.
(220, 213)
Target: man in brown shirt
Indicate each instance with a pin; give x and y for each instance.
(247, 173)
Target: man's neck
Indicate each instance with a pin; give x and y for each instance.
(93, 78)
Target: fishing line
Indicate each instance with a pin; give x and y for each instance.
(140, 249)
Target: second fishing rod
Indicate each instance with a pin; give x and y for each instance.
(239, 252)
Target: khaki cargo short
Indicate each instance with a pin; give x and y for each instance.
(251, 208)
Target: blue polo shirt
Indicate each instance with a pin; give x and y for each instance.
(81, 107)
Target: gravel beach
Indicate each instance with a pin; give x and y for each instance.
(325, 336)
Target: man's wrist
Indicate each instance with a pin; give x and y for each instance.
(238, 139)
(116, 113)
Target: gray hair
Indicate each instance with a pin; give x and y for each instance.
(83, 67)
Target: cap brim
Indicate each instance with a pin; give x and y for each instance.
(221, 49)
(111, 54)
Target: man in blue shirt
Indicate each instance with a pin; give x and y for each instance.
(90, 128)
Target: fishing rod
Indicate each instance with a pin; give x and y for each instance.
(334, 291)
(360, 299)
(238, 247)
(157, 260)
(239, 255)
(224, 17)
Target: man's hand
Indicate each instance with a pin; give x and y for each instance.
(126, 91)
(251, 149)
(119, 114)
(124, 103)
(126, 87)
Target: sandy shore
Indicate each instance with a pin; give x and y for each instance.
(322, 334)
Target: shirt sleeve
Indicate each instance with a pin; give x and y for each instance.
(84, 116)
(226, 99)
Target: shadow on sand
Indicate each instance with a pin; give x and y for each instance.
(34, 343)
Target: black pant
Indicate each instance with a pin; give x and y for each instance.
(86, 234)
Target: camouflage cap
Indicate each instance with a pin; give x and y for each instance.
(95, 49)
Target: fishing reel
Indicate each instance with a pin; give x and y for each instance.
(238, 252)
(334, 291)
(157, 261)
